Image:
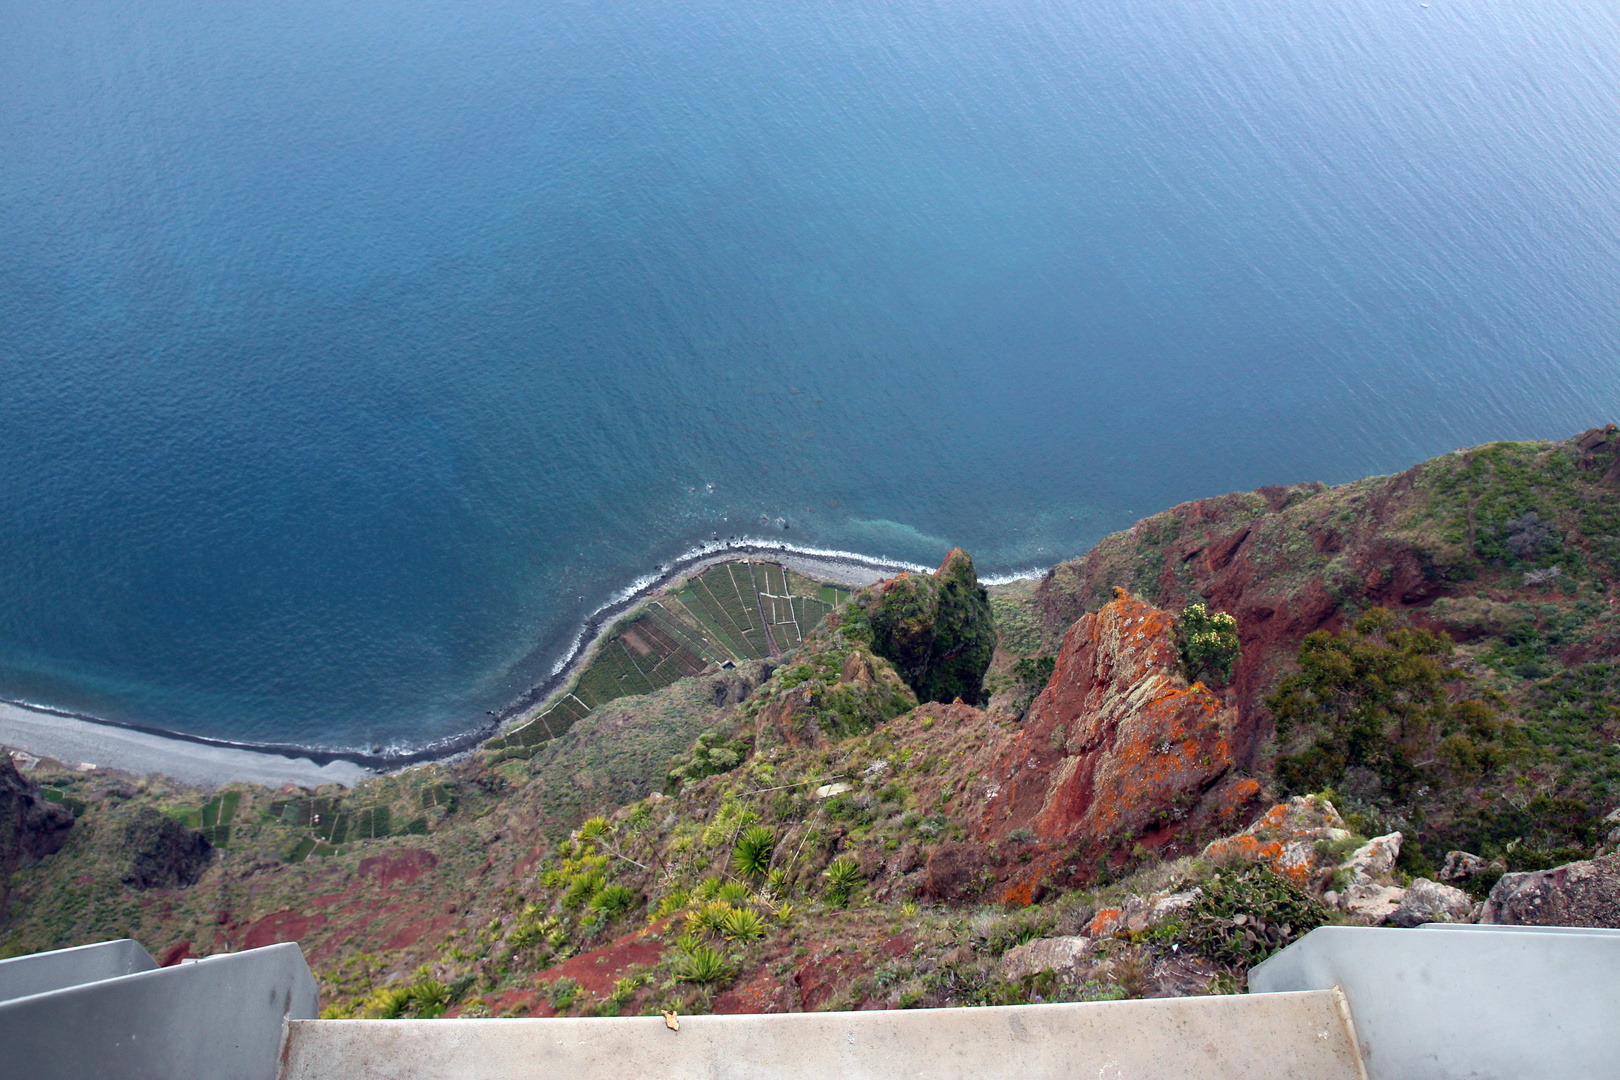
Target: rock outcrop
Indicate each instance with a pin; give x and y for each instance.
(1428, 901)
(1583, 893)
(1288, 560)
(31, 827)
(162, 852)
(1118, 743)
(1292, 839)
(937, 629)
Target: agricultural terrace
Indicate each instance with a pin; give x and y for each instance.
(732, 611)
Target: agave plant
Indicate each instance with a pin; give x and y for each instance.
(614, 900)
(674, 900)
(733, 892)
(702, 964)
(710, 918)
(743, 925)
(842, 878)
(594, 828)
(431, 998)
(706, 890)
(752, 856)
(777, 882)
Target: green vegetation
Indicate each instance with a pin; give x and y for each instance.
(1242, 917)
(1383, 701)
(938, 630)
(1208, 643)
(843, 878)
(729, 613)
(752, 856)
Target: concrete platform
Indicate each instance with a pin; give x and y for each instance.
(1305, 1036)
(24, 976)
(1475, 1003)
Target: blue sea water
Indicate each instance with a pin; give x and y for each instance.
(351, 353)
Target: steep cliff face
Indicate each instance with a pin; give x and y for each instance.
(1501, 519)
(30, 826)
(1118, 744)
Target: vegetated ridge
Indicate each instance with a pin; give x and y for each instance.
(942, 794)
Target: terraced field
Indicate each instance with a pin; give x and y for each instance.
(733, 611)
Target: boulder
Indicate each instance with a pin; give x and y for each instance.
(1289, 838)
(1059, 955)
(1117, 742)
(1369, 900)
(1461, 866)
(1428, 901)
(162, 852)
(1585, 893)
(1374, 859)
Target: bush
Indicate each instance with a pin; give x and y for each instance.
(732, 892)
(752, 855)
(562, 993)
(710, 918)
(1208, 643)
(702, 964)
(742, 924)
(1383, 700)
(614, 900)
(843, 876)
(1242, 918)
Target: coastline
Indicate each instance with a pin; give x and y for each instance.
(78, 738)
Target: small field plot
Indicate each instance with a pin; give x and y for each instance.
(732, 611)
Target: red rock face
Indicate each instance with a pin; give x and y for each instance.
(1117, 742)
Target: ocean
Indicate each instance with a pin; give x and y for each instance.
(352, 354)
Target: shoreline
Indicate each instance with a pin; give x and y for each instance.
(74, 738)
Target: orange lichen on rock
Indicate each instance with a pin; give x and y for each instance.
(1286, 839)
(1117, 742)
(1106, 923)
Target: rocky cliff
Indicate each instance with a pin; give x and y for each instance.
(832, 828)
(1118, 745)
(31, 827)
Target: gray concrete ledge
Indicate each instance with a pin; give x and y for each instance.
(41, 973)
(218, 1018)
(1485, 1003)
(1270, 1037)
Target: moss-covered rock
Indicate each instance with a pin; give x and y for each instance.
(937, 630)
(163, 853)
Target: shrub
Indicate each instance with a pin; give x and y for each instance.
(1031, 674)
(582, 888)
(1242, 918)
(710, 918)
(702, 965)
(732, 892)
(741, 924)
(674, 900)
(562, 993)
(1383, 700)
(431, 997)
(843, 876)
(614, 900)
(752, 855)
(1208, 643)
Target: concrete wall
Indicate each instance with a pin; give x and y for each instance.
(1271, 1037)
(43, 972)
(221, 1018)
(1484, 1003)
